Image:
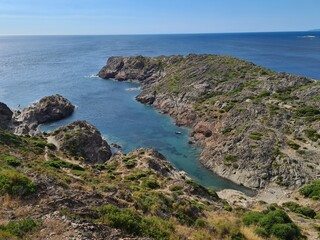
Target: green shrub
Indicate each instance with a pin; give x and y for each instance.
(296, 208)
(226, 130)
(130, 164)
(99, 167)
(230, 158)
(285, 231)
(255, 136)
(227, 208)
(252, 218)
(310, 113)
(264, 93)
(311, 190)
(293, 145)
(51, 146)
(57, 163)
(19, 228)
(136, 176)
(151, 183)
(175, 188)
(273, 222)
(200, 223)
(132, 223)
(12, 161)
(312, 134)
(15, 183)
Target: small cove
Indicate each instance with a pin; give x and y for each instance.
(133, 125)
(35, 66)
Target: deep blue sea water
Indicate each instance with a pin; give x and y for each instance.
(34, 66)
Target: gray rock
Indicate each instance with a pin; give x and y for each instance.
(48, 109)
(5, 116)
(83, 141)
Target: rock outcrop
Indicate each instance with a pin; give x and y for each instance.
(5, 116)
(48, 109)
(256, 126)
(83, 141)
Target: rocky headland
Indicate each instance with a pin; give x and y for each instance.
(257, 127)
(26, 121)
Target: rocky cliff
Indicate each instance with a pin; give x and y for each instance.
(47, 109)
(257, 127)
(83, 141)
(5, 116)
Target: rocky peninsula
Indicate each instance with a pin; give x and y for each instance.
(26, 121)
(257, 127)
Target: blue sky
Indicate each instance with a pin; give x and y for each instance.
(156, 16)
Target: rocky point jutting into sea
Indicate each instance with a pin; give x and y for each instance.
(257, 127)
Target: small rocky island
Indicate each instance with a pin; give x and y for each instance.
(257, 127)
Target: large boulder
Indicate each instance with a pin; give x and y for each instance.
(5, 116)
(48, 109)
(83, 141)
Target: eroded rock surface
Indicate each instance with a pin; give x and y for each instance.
(48, 109)
(83, 140)
(5, 116)
(256, 126)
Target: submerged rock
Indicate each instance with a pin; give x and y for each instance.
(82, 140)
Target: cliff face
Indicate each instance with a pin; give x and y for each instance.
(5, 116)
(47, 109)
(256, 126)
(82, 140)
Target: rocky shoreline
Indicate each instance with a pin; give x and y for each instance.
(26, 121)
(68, 185)
(257, 127)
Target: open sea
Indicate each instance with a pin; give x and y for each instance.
(35, 66)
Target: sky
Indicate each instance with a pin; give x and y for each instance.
(78, 17)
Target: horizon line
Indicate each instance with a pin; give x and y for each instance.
(150, 34)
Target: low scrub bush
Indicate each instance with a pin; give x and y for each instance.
(151, 183)
(12, 160)
(132, 223)
(57, 163)
(310, 113)
(273, 222)
(311, 190)
(296, 208)
(18, 228)
(15, 183)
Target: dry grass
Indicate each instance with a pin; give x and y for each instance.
(249, 233)
(8, 202)
(54, 229)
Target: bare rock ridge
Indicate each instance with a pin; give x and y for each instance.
(47, 109)
(257, 127)
(84, 141)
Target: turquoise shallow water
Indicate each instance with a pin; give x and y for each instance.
(32, 67)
